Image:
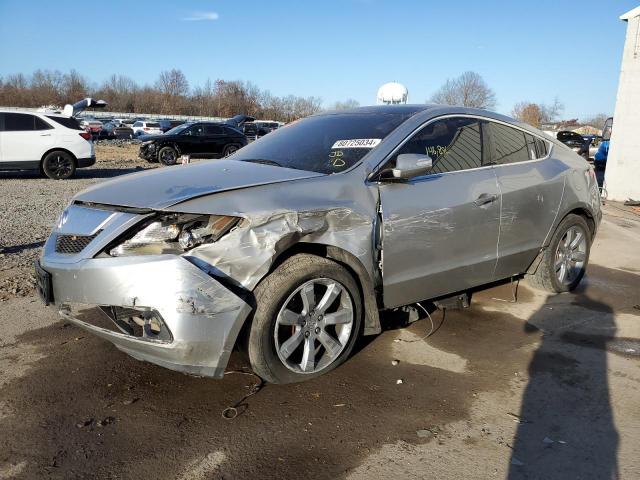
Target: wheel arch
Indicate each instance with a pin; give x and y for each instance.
(58, 149)
(353, 265)
(579, 210)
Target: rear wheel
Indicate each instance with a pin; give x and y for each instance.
(58, 165)
(306, 321)
(167, 156)
(565, 260)
(229, 150)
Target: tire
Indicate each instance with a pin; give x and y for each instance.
(277, 361)
(58, 165)
(572, 257)
(167, 156)
(229, 150)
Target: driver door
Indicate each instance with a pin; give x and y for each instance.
(440, 230)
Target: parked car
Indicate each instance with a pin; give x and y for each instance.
(92, 126)
(600, 159)
(203, 139)
(289, 247)
(53, 144)
(575, 142)
(115, 130)
(166, 125)
(266, 127)
(146, 128)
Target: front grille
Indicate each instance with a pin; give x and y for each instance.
(70, 244)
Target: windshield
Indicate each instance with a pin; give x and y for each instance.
(324, 144)
(177, 130)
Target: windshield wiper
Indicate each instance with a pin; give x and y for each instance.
(263, 161)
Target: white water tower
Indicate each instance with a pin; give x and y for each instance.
(392, 93)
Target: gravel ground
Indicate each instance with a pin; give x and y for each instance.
(31, 204)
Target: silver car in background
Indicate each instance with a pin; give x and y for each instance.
(291, 247)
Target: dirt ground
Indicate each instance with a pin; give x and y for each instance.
(544, 387)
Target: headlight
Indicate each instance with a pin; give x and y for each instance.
(175, 233)
(148, 142)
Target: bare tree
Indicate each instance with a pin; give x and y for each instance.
(170, 94)
(347, 104)
(535, 114)
(528, 112)
(467, 90)
(596, 120)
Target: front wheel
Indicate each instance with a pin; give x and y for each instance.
(306, 321)
(565, 260)
(58, 165)
(167, 156)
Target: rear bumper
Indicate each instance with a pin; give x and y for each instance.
(86, 162)
(202, 316)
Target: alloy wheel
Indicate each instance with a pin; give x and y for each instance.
(314, 325)
(571, 255)
(60, 166)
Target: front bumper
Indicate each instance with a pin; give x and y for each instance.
(203, 317)
(148, 152)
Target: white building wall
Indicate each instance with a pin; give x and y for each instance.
(622, 176)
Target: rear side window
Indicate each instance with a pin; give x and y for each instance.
(541, 148)
(453, 144)
(68, 122)
(509, 145)
(213, 130)
(153, 125)
(137, 124)
(19, 122)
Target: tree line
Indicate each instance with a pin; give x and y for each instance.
(171, 94)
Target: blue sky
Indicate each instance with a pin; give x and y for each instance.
(534, 50)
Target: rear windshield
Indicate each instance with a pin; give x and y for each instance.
(68, 122)
(324, 144)
(153, 124)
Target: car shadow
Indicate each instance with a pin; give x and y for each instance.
(566, 411)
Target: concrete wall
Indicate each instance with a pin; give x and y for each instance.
(622, 176)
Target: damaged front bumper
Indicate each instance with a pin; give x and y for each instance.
(148, 151)
(196, 319)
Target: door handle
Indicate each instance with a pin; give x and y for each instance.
(485, 198)
(45, 134)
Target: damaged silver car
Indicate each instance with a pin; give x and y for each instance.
(291, 247)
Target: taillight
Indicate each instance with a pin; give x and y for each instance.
(146, 129)
(85, 135)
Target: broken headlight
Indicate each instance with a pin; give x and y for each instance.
(175, 233)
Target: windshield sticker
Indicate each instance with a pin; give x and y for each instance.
(357, 143)
(336, 160)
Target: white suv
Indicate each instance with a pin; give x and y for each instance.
(54, 144)
(146, 128)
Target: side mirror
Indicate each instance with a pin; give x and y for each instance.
(409, 165)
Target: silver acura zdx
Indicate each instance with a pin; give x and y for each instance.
(291, 247)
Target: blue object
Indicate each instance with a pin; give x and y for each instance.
(600, 158)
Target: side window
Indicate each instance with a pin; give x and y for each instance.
(18, 122)
(509, 145)
(41, 124)
(541, 148)
(453, 144)
(137, 124)
(195, 130)
(213, 130)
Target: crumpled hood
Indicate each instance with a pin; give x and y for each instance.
(163, 187)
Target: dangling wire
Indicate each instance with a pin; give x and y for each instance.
(433, 328)
(233, 411)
